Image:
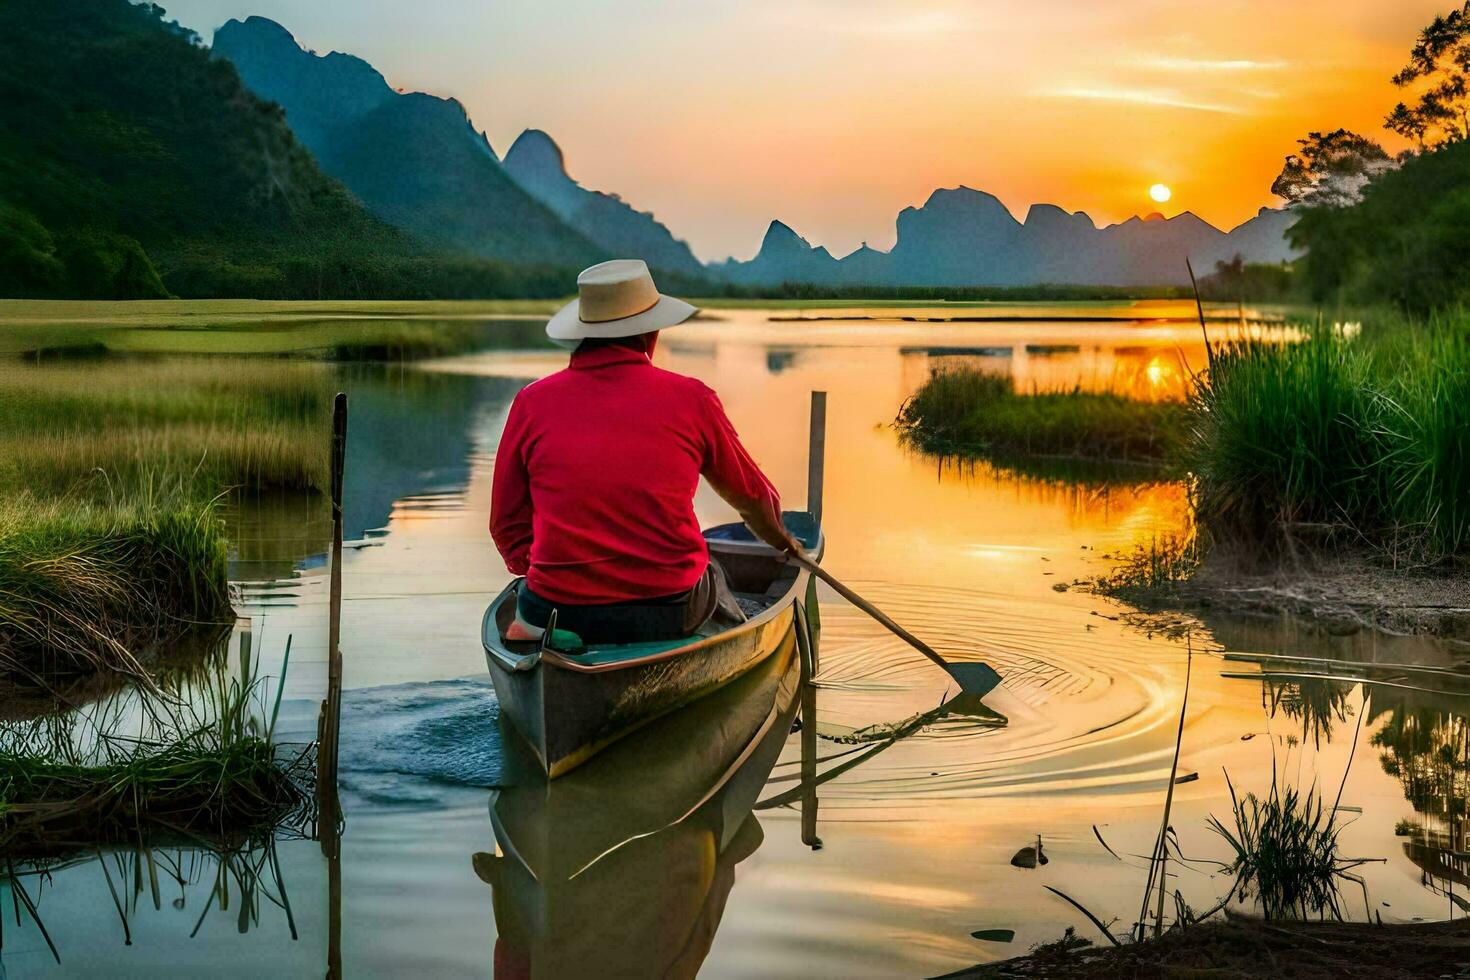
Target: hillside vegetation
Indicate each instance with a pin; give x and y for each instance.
(132, 165)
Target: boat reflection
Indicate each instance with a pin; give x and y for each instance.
(623, 866)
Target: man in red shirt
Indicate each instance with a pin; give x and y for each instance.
(593, 497)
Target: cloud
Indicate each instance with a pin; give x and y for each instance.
(1149, 97)
(1159, 63)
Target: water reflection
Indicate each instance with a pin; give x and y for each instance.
(623, 867)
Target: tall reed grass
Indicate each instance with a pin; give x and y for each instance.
(1337, 438)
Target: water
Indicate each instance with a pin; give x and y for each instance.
(917, 835)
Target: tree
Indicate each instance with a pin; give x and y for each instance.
(1440, 63)
(1331, 169)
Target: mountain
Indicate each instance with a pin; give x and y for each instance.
(966, 237)
(415, 160)
(132, 165)
(536, 163)
(784, 256)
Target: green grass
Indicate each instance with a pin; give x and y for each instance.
(200, 763)
(87, 587)
(966, 412)
(1336, 438)
(111, 539)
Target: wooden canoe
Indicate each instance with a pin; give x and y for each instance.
(567, 707)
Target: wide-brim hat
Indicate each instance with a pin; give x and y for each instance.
(616, 299)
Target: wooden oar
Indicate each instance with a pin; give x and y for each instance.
(975, 678)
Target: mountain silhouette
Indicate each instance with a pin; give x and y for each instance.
(966, 237)
(536, 163)
(415, 160)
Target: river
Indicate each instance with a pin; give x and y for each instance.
(917, 839)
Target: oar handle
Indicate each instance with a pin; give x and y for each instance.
(867, 607)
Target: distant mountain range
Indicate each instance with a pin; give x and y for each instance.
(417, 162)
(965, 237)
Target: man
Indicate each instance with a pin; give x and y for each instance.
(593, 498)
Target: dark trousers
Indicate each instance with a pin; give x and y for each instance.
(706, 609)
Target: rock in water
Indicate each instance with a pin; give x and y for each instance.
(1029, 857)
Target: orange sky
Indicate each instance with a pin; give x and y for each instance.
(833, 115)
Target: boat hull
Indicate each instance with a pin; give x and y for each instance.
(567, 708)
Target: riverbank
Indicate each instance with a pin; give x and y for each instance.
(1243, 947)
(1342, 594)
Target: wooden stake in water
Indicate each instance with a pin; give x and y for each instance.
(816, 457)
(329, 720)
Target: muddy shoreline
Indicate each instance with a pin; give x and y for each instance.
(1339, 595)
(1246, 947)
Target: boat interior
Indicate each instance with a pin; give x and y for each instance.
(758, 574)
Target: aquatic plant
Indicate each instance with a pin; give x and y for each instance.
(1283, 436)
(1286, 852)
(1426, 422)
(202, 763)
(1151, 568)
(967, 412)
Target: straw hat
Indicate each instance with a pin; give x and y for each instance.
(616, 299)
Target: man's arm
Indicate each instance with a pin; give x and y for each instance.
(736, 477)
(510, 494)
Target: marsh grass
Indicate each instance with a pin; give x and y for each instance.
(1338, 438)
(84, 586)
(966, 412)
(1286, 853)
(199, 764)
(1151, 569)
(111, 478)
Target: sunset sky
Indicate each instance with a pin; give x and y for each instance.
(833, 115)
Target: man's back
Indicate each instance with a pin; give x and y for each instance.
(596, 475)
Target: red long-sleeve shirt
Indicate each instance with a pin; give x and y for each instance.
(593, 497)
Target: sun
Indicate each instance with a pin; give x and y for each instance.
(1160, 192)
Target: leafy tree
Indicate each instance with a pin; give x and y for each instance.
(1440, 64)
(1330, 169)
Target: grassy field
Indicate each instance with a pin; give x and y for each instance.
(111, 539)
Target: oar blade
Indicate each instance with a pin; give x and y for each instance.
(975, 678)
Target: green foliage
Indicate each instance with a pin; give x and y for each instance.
(967, 412)
(1426, 429)
(1407, 242)
(1370, 437)
(134, 165)
(1330, 169)
(1283, 434)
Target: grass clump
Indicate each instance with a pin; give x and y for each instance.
(1286, 853)
(1363, 439)
(85, 586)
(967, 412)
(199, 762)
(1152, 569)
(110, 534)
